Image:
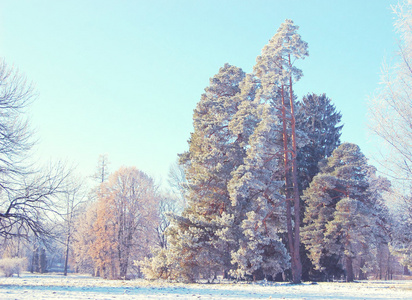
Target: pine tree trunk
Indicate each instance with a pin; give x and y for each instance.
(389, 266)
(291, 240)
(350, 277)
(290, 234)
(43, 261)
(297, 268)
(32, 262)
(362, 275)
(36, 261)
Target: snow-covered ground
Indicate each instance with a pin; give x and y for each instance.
(51, 286)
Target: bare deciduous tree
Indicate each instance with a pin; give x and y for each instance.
(168, 204)
(27, 201)
(27, 194)
(391, 108)
(83, 237)
(72, 200)
(102, 170)
(15, 137)
(178, 183)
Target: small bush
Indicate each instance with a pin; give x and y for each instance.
(157, 267)
(10, 266)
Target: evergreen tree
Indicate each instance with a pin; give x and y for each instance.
(241, 169)
(343, 211)
(257, 194)
(269, 171)
(214, 152)
(43, 261)
(318, 119)
(35, 261)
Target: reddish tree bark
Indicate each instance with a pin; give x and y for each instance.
(291, 182)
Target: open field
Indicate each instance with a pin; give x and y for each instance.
(53, 286)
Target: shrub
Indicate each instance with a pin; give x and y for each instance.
(10, 266)
(159, 266)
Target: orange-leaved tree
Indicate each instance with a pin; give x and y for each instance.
(127, 215)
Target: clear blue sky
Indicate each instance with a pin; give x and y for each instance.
(123, 77)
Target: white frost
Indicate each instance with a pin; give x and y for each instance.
(29, 287)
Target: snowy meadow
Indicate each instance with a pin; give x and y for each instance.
(53, 286)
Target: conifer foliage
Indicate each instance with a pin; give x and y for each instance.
(244, 177)
(268, 177)
(214, 152)
(241, 169)
(318, 118)
(344, 212)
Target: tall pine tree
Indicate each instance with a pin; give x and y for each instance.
(214, 152)
(257, 195)
(268, 177)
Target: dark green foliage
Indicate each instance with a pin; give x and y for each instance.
(34, 267)
(43, 261)
(39, 261)
(318, 118)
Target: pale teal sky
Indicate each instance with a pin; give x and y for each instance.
(123, 77)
